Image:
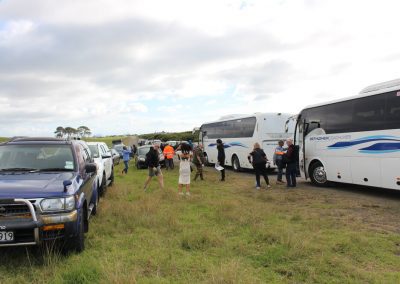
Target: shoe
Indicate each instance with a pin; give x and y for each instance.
(268, 186)
(187, 193)
(258, 188)
(180, 193)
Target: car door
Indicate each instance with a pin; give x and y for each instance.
(107, 161)
(87, 178)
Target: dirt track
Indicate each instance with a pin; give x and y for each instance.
(375, 208)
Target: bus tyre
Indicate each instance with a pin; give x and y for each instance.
(318, 174)
(236, 164)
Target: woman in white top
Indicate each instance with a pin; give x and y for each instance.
(185, 156)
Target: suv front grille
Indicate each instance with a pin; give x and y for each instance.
(14, 211)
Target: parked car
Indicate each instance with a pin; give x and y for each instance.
(119, 148)
(141, 156)
(173, 143)
(105, 166)
(47, 192)
(115, 156)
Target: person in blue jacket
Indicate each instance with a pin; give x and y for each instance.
(126, 156)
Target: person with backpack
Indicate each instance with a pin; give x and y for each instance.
(258, 159)
(198, 161)
(185, 154)
(153, 163)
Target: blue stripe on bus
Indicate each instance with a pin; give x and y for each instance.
(228, 145)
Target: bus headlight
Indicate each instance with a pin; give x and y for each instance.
(57, 204)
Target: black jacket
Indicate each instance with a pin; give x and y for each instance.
(152, 158)
(259, 157)
(221, 153)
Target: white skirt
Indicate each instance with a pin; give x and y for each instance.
(184, 172)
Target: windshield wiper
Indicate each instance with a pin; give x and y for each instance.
(18, 169)
(55, 170)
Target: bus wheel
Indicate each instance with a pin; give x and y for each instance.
(318, 174)
(236, 163)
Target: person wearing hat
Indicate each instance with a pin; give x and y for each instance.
(221, 157)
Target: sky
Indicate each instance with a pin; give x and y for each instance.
(140, 66)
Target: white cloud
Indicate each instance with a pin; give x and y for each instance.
(120, 66)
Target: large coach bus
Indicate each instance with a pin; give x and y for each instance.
(240, 132)
(354, 140)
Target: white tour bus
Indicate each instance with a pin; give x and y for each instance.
(354, 140)
(240, 132)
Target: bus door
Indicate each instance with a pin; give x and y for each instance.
(299, 142)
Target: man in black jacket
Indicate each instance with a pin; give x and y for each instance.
(221, 157)
(153, 164)
(290, 160)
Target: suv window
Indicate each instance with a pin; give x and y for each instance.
(94, 150)
(36, 157)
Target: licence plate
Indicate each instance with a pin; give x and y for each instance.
(6, 237)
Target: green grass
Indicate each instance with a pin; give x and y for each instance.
(3, 139)
(223, 233)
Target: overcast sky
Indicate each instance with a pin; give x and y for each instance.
(127, 66)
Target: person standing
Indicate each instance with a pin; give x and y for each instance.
(126, 156)
(169, 153)
(258, 159)
(221, 157)
(278, 160)
(290, 159)
(198, 160)
(153, 164)
(185, 155)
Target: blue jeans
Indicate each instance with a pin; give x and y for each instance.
(126, 167)
(291, 175)
(279, 164)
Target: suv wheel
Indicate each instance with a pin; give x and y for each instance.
(103, 185)
(112, 177)
(77, 243)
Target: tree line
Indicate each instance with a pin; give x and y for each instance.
(177, 136)
(81, 131)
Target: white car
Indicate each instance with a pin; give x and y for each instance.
(105, 167)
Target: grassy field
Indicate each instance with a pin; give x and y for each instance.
(224, 233)
(3, 139)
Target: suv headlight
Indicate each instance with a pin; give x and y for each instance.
(57, 204)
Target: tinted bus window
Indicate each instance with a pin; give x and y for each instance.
(315, 118)
(339, 117)
(393, 110)
(369, 113)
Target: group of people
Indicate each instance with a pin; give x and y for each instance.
(186, 155)
(284, 157)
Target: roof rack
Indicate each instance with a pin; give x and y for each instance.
(25, 138)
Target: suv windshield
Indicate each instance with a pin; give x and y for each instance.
(95, 150)
(36, 157)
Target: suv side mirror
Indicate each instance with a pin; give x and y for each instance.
(91, 168)
(106, 156)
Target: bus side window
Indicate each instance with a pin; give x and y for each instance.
(393, 110)
(369, 113)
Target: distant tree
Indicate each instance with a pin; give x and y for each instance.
(60, 132)
(83, 131)
(70, 131)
